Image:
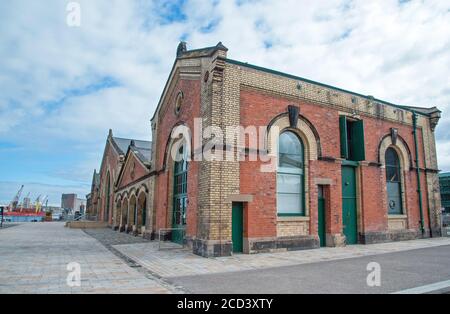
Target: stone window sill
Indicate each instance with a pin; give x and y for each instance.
(397, 216)
(293, 218)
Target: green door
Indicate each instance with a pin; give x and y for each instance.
(321, 212)
(144, 213)
(180, 199)
(237, 227)
(349, 218)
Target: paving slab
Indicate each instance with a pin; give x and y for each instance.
(169, 263)
(34, 259)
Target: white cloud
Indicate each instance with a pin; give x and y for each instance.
(395, 52)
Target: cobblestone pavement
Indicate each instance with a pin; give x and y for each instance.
(109, 237)
(181, 262)
(34, 259)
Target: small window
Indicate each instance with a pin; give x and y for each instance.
(179, 102)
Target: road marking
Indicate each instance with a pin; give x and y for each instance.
(425, 289)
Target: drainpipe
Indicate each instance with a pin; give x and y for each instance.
(419, 189)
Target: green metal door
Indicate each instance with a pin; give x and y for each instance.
(144, 213)
(321, 212)
(180, 199)
(237, 227)
(349, 216)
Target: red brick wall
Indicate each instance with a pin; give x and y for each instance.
(167, 120)
(258, 109)
(110, 163)
(139, 171)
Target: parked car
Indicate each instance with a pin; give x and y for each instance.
(56, 217)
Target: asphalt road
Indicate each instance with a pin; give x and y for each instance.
(399, 271)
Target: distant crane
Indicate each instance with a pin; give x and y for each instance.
(44, 202)
(37, 203)
(15, 201)
(25, 202)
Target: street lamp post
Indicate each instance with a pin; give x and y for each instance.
(1, 217)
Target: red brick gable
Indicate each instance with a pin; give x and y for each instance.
(133, 170)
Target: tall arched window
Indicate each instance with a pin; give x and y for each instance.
(393, 182)
(290, 175)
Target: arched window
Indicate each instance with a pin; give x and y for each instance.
(290, 175)
(393, 182)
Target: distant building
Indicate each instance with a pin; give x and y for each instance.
(92, 199)
(444, 182)
(72, 204)
(123, 181)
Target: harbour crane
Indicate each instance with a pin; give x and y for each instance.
(37, 202)
(44, 202)
(15, 201)
(22, 204)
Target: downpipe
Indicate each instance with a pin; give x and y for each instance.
(419, 188)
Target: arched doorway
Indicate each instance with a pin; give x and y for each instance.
(108, 197)
(117, 213)
(124, 214)
(131, 214)
(141, 215)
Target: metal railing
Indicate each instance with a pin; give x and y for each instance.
(165, 230)
(445, 225)
(72, 217)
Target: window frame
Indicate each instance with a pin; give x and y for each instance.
(352, 138)
(398, 170)
(299, 172)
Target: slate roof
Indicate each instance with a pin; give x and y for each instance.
(143, 153)
(96, 179)
(123, 143)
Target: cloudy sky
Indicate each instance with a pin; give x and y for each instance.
(62, 88)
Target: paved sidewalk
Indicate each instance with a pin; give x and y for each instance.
(7, 225)
(109, 237)
(34, 259)
(181, 262)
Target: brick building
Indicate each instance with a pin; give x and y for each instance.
(93, 197)
(72, 204)
(348, 168)
(109, 191)
(444, 180)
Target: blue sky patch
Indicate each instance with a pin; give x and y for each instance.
(103, 83)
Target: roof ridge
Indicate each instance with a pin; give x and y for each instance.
(130, 139)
